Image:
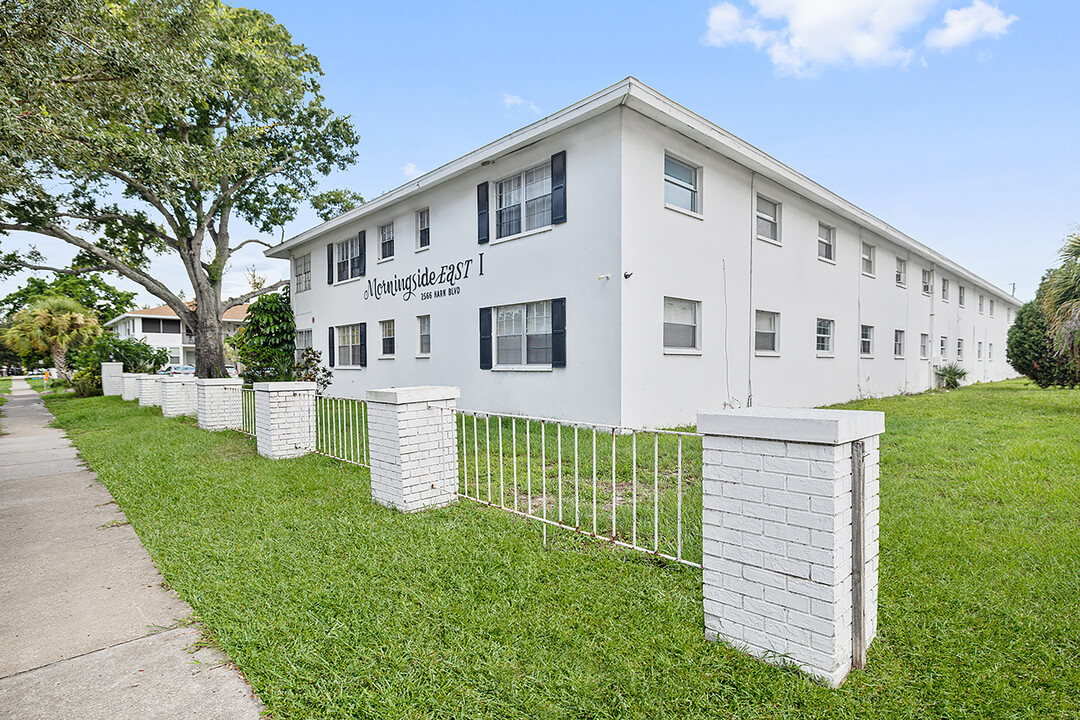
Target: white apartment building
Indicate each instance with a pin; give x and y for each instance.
(625, 261)
(161, 327)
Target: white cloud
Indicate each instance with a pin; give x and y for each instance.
(513, 101)
(411, 171)
(804, 36)
(969, 24)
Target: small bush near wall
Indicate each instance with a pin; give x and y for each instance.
(1031, 352)
(950, 375)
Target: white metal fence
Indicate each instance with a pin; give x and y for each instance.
(341, 429)
(247, 411)
(639, 489)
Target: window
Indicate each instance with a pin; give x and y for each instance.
(824, 336)
(927, 282)
(303, 342)
(348, 255)
(386, 241)
(161, 325)
(866, 341)
(680, 184)
(924, 346)
(350, 345)
(523, 201)
(768, 220)
(944, 289)
(174, 355)
(980, 304)
(960, 348)
(826, 246)
(681, 324)
(386, 330)
(978, 351)
(868, 259)
(766, 331)
(990, 352)
(423, 228)
(898, 343)
(302, 273)
(991, 307)
(944, 347)
(901, 272)
(523, 334)
(423, 329)
(960, 293)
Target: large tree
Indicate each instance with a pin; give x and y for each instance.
(140, 127)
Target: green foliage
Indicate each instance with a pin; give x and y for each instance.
(950, 375)
(87, 382)
(307, 369)
(1059, 297)
(137, 356)
(1030, 350)
(91, 291)
(266, 343)
(133, 128)
(55, 325)
(328, 205)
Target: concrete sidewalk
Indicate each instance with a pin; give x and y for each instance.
(87, 627)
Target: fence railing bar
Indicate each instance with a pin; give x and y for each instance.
(528, 465)
(614, 493)
(502, 481)
(633, 510)
(543, 473)
(464, 456)
(620, 429)
(513, 435)
(678, 522)
(656, 490)
(487, 450)
(558, 440)
(594, 481)
(577, 482)
(476, 456)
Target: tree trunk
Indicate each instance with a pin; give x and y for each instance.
(59, 358)
(209, 350)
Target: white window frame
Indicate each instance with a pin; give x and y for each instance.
(302, 273)
(343, 333)
(982, 300)
(773, 220)
(898, 344)
(695, 307)
(991, 307)
(924, 346)
(959, 349)
(990, 352)
(517, 186)
(421, 320)
(944, 289)
(773, 332)
(960, 296)
(386, 238)
(868, 259)
(944, 347)
(386, 333)
(693, 187)
(927, 282)
(423, 229)
(532, 314)
(346, 251)
(901, 272)
(826, 246)
(823, 342)
(303, 341)
(978, 351)
(866, 341)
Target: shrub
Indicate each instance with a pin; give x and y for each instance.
(266, 343)
(136, 354)
(308, 369)
(950, 375)
(1030, 350)
(87, 382)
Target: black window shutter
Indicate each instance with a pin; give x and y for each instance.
(482, 213)
(558, 188)
(485, 338)
(362, 239)
(363, 344)
(558, 332)
(330, 349)
(330, 268)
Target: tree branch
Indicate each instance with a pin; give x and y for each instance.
(248, 241)
(66, 271)
(149, 196)
(233, 302)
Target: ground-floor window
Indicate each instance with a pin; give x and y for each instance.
(766, 331)
(924, 346)
(303, 341)
(386, 331)
(898, 343)
(866, 341)
(824, 336)
(423, 327)
(523, 334)
(681, 324)
(351, 345)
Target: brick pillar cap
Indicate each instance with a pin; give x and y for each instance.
(221, 381)
(420, 393)
(178, 379)
(283, 386)
(823, 427)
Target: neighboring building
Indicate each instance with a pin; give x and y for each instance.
(625, 261)
(161, 327)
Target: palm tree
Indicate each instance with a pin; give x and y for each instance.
(1061, 300)
(52, 324)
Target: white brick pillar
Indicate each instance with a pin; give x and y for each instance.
(220, 405)
(413, 437)
(779, 541)
(285, 419)
(179, 396)
(149, 390)
(111, 378)
(129, 386)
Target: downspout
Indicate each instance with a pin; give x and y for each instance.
(753, 312)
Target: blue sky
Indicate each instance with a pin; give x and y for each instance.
(953, 120)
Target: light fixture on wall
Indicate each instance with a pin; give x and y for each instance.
(627, 274)
(603, 277)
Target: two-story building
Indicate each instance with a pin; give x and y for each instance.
(625, 261)
(161, 327)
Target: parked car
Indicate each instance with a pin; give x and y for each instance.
(177, 370)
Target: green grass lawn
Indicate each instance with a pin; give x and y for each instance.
(336, 608)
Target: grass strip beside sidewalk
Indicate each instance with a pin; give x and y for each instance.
(334, 607)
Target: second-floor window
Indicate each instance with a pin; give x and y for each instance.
(523, 201)
(386, 241)
(302, 273)
(680, 184)
(348, 259)
(423, 228)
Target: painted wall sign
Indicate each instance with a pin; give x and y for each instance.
(429, 282)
